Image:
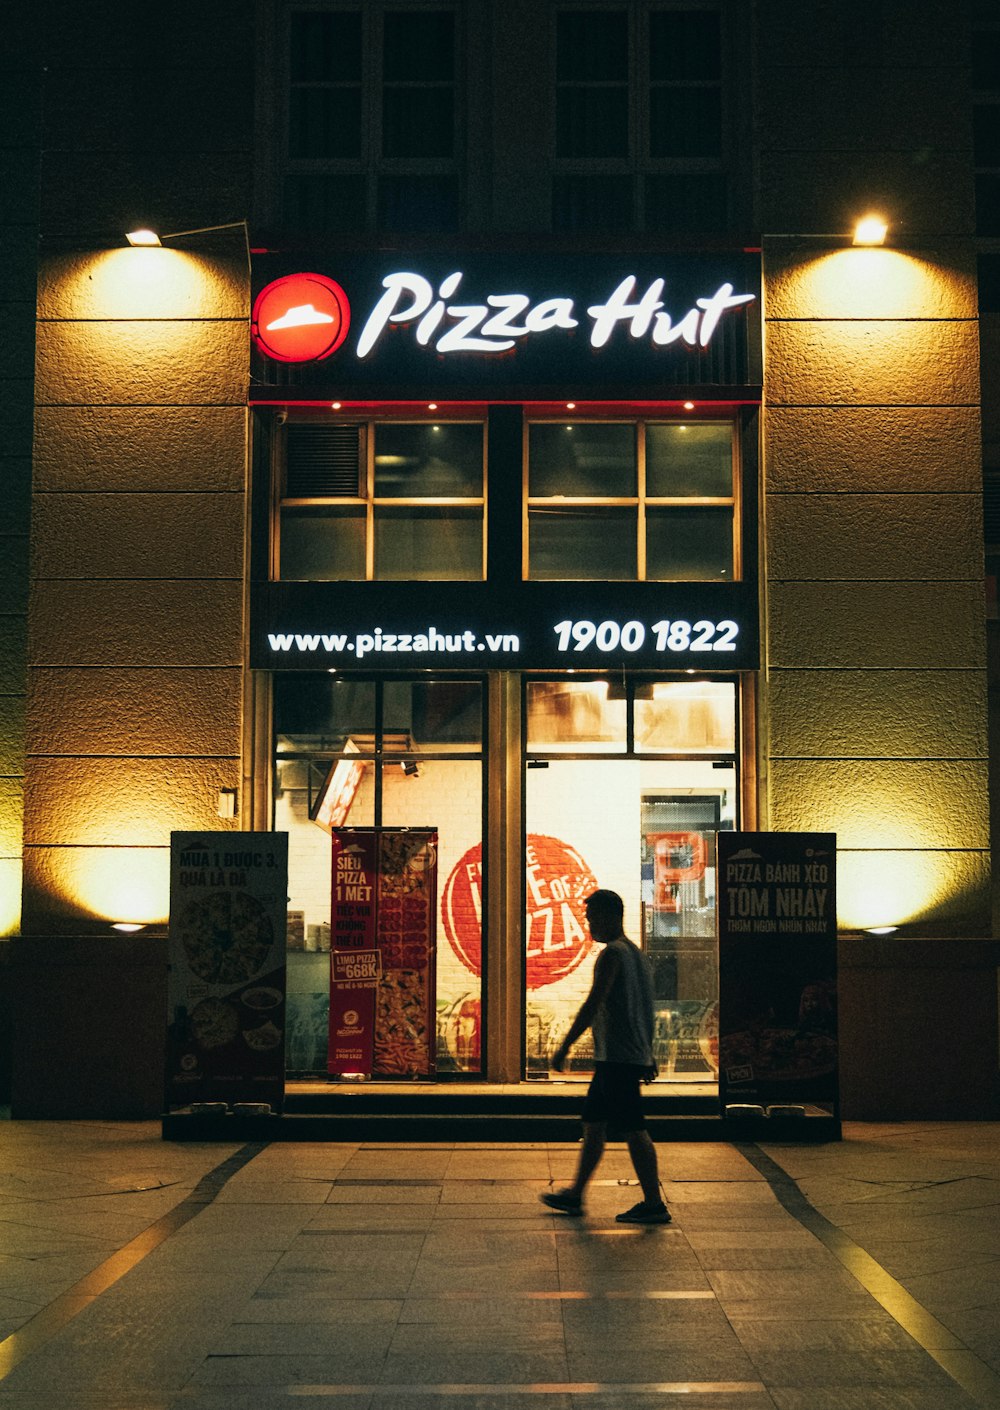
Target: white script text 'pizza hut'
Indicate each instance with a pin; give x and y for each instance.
(497, 324)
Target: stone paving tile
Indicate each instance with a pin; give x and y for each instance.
(452, 1366)
(871, 1398)
(339, 1369)
(317, 1310)
(851, 1368)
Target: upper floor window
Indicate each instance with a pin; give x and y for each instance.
(640, 123)
(636, 501)
(381, 500)
(372, 120)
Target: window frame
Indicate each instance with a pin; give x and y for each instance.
(371, 165)
(639, 164)
(367, 499)
(640, 500)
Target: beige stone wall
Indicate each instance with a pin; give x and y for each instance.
(136, 627)
(875, 682)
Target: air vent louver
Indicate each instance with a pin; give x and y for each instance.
(323, 462)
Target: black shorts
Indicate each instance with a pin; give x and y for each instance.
(614, 1097)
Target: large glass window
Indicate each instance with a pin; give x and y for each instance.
(382, 500)
(392, 754)
(627, 785)
(652, 501)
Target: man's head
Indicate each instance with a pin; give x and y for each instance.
(605, 911)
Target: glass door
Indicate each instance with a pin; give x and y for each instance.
(627, 785)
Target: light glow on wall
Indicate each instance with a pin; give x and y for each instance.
(134, 283)
(114, 883)
(892, 888)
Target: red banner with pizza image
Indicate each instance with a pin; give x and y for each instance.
(383, 928)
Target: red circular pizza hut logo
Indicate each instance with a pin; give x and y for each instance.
(300, 318)
(556, 935)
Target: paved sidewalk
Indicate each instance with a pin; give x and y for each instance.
(137, 1274)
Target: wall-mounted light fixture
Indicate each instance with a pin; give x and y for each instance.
(128, 927)
(881, 929)
(871, 230)
(146, 238)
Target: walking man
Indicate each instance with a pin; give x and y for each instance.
(619, 1009)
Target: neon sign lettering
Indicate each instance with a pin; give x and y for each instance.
(496, 324)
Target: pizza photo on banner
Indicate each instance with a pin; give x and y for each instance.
(226, 983)
(777, 899)
(382, 970)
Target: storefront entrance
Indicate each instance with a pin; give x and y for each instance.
(624, 783)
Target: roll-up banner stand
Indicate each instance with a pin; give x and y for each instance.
(226, 985)
(777, 903)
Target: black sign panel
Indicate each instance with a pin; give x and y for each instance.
(777, 902)
(528, 626)
(504, 326)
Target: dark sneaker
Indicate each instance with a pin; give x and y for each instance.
(563, 1200)
(643, 1213)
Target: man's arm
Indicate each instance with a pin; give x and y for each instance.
(605, 974)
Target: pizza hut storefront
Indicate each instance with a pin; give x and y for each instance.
(505, 631)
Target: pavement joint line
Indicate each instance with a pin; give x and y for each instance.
(962, 1364)
(44, 1325)
(536, 1388)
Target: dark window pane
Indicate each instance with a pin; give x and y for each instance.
(325, 203)
(988, 205)
(325, 122)
(988, 278)
(321, 707)
(685, 122)
(684, 45)
(323, 544)
(689, 545)
(985, 46)
(592, 45)
(686, 203)
(326, 46)
(986, 134)
(689, 459)
(418, 122)
(582, 458)
(418, 203)
(592, 203)
(591, 543)
(434, 714)
(443, 460)
(592, 122)
(431, 544)
(419, 46)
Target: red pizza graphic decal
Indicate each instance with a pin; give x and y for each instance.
(300, 318)
(558, 883)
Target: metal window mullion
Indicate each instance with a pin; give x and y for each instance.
(370, 503)
(640, 527)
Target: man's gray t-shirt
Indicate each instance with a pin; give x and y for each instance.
(623, 1025)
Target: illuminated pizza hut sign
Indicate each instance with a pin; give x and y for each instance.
(301, 318)
(491, 310)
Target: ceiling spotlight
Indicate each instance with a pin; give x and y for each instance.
(872, 230)
(571, 406)
(432, 406)
(336, 405)
(881, 929)
(689, 406)
(128, 927)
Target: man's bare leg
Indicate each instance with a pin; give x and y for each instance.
(643, 1153)
(590, 1154)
